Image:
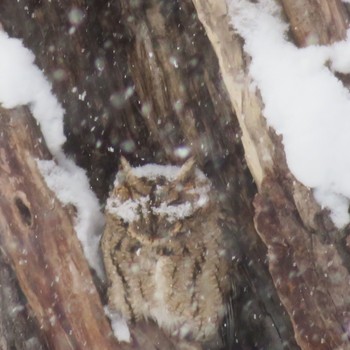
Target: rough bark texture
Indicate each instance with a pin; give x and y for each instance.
(37, 237)
(188, 99)
(307, 256)
(156, 87)
(316, 23)
(143, 78)
(18, 329)
(310, 275)
(86, 61)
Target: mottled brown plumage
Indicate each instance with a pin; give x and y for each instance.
(164, 251)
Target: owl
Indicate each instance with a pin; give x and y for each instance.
(164, 252)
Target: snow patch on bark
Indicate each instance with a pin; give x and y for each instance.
(304, 101)
(23, 83)
(119, 325)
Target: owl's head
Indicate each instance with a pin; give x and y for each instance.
(158, 202)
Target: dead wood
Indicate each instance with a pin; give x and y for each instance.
(307, 257)
(38, 238)
(160, 50)
(316, 23)
(142, 78)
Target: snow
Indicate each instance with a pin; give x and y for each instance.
(174, 212)
(118, 324)
(72, 187)
(303, 100)
(182, 152)
(170, 172)
(152, 171)
(22, 83)
(129, 209)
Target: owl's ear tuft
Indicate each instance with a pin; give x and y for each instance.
(124, 165)
(126, 174)
(125, 171)
(187, 171)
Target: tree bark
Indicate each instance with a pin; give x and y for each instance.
(304, 250)
(315, 23)
(206, 124)
(18, 329)
(148, 79)
(38, 238)
(164, 42)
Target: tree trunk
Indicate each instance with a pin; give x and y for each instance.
(18, 329)
(38, 238)
(149, 79)
(304, 251)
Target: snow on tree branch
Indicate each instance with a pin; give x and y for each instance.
(22, 83)
(304, 101)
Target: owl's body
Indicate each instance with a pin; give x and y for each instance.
(164, 252)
